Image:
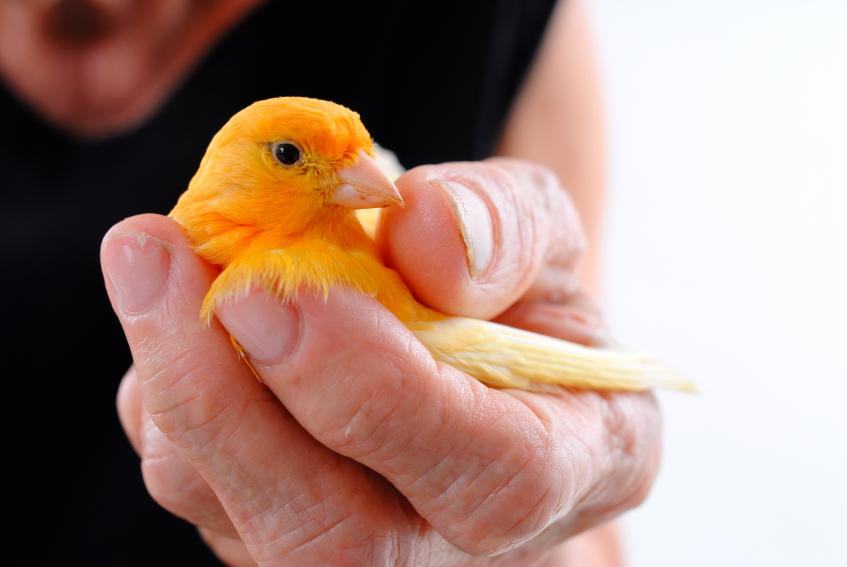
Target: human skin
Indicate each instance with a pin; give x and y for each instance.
(612, 441)
(357, 448)
(96, 68)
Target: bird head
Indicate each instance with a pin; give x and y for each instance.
(282, 165)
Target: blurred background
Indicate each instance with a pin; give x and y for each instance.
(725, 254)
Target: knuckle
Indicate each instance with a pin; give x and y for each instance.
(507, 500)
(365, 424)
(541, 177)
(626, 455)
(323, 531)
(633, 429)
(179, 404)
(229, 549)
(128, 405)
(499, 180)
(513, 513)
(534, 192)
(172, 483)
(176, 485)
(639, 488)
(538, 185)
(328, 549)
(526, 174)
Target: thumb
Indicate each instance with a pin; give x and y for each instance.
(476, 237)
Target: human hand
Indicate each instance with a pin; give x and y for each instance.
(358, 448)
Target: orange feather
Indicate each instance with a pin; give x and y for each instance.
(278, 225)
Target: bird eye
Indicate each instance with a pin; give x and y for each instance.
(286, 153)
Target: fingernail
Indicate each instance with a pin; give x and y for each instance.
(267, 328)
(137, 266)
(475, 224)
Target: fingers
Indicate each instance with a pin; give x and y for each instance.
(288, 497)
(475, 237)
(476, 463)
(129, 408)
(488, 469)
(231, 551)
(614, 443)
(170, 478)
(174, 483)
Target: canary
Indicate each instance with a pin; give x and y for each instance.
(274, 202)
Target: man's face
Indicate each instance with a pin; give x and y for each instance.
(99, 67)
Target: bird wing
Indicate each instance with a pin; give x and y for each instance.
(507, 357)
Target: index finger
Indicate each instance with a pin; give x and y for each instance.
(476, 237)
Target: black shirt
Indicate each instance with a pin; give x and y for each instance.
(433, 85)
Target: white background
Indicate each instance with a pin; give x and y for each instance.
(726, 245)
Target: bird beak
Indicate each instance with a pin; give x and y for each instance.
(364, 186)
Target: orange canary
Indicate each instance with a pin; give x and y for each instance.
(274, 203)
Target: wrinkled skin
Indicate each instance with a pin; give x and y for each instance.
(358, 448)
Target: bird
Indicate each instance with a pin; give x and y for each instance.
(274, 204)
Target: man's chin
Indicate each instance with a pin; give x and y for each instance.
(100, 75)
(101, 122)
(86, 96)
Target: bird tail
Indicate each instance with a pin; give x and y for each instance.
(506, 357)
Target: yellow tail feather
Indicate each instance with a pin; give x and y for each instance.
(506, 357)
